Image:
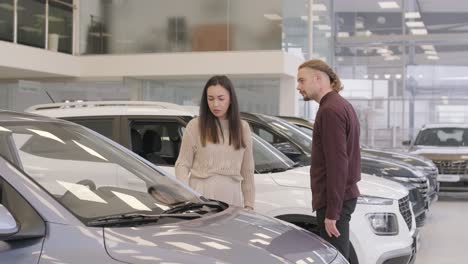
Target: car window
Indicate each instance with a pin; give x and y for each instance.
(30, 221)
(102, 126)
(156, 141)
(266, 134)
(87, 174)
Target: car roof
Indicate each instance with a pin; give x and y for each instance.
(109, 108)
(11, 116)
(445, 125)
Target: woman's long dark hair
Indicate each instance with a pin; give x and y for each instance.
(209, 123)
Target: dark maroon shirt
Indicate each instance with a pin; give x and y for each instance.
(336, 155)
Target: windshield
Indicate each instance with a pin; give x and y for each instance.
(376, 154)
(445, 137)
(293, 132)
(88, 175)
(268, 158)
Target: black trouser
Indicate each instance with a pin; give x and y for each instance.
(342, 242)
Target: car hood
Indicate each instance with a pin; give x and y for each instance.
(369, 185)
(232, 236)
(443, 153)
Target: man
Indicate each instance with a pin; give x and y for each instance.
(336, 159)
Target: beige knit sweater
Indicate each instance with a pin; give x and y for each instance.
(217, 159)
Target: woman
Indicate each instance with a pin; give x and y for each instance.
(216, 156)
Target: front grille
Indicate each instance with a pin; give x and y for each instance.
(432, 176)
(422, 184)
(405, 210)
(457, 167)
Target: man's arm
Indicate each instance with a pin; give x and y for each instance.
(336, 160)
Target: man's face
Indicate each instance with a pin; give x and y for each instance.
(307, 84)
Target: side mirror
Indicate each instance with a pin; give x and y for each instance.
(406, 142)
(8, 225)
(289, 150)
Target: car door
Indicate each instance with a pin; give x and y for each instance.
(157, 139)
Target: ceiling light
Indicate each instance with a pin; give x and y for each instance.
(343, 34)
(387, 76)
(319, 7)
(388, 5)
(430, 52)
(398, 76)
(323, 27)
(428, 47)
(272, 16)
(366, 76)
(340, 59)
(414, 24)
(420, 76)
(376, 76)
(419, 31)
(433, 57)
(412, 15)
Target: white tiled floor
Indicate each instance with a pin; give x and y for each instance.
(444, 238)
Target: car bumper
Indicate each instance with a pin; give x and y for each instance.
(454, 183)
(402, 256)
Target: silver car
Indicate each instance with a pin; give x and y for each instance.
(69, 195)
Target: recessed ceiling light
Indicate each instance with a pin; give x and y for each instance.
(343, 34)
(319, 7)
(419, 31)
(414, 24)
(340, 59)
(366, 76)
(272, 16)
(398, 76)
(323, 27)
(387, 76)
(433, 57)
(428, 47)
(376, 76)
(412, 15)
(388, 5)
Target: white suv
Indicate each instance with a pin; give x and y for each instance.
(382, 227)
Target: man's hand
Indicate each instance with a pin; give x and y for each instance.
(330, 227)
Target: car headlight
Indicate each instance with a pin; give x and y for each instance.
(383, 224)
(374, 200)
(402, 179)
(339, 260)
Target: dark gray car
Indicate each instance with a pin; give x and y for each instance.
(69, 195)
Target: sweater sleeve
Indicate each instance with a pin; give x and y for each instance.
(336, 160)
(247, 168)
(187, 152)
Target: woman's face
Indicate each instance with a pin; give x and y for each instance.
(218, 100)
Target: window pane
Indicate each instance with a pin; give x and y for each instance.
(103, 127)
(60, 26)
(6, 20)
(31, 22)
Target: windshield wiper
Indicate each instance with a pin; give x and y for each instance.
(202, 207)
(135, 218)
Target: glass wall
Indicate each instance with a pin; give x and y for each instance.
(40, 23)
(6, 20)
(149, 26)
(251, 93)
(403, 64)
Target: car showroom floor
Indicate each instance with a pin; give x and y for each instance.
(444, 238)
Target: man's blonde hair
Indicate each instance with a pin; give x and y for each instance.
(320, 65)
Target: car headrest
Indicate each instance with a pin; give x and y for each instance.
(151, 142)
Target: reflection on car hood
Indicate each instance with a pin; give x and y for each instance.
(232, 236)
(369, 184)
(433, 152)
